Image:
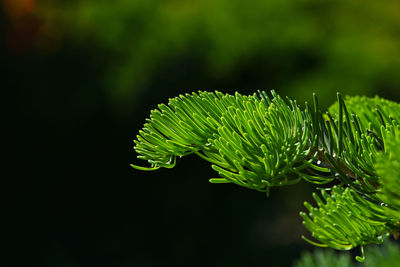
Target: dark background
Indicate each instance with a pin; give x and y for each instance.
(80, 77)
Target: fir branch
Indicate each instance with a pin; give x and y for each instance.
(261, 141)
(344, 220)
(253, 141)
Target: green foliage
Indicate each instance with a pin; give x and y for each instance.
(388, 168)
(363, 125)
(327, 45)
(260, 142)
(346, 220)
(371, 113)
(387, 255)
(377, 155)
(324, 258)
(253, 141)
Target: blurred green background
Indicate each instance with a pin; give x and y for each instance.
(80, 77)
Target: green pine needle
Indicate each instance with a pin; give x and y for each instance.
(262, 141)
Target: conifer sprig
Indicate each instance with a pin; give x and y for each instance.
(344, 220)
(261, 141)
